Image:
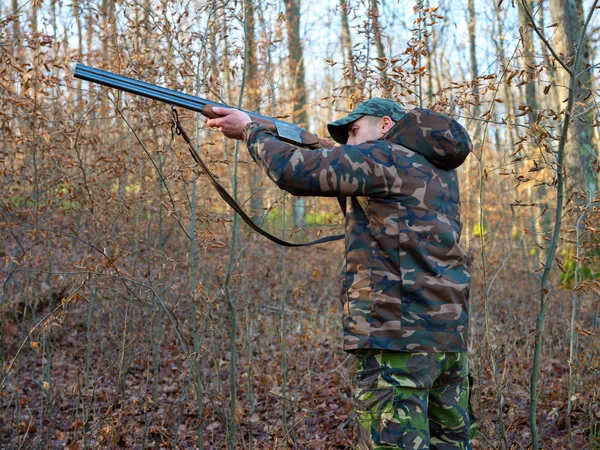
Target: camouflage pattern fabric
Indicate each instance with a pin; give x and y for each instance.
(405, 280)
(413, 401)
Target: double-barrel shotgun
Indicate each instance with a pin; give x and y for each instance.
(285, 131)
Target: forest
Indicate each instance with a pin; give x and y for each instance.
(138, 311)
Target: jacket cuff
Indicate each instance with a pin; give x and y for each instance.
(249, 129)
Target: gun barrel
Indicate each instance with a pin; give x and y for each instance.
(142, 88)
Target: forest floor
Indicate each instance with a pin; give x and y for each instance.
(99, 375)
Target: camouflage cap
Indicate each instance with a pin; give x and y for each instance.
(378, 107)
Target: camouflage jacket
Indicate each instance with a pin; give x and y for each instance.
(405, 280)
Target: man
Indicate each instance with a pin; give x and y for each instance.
(405, 281)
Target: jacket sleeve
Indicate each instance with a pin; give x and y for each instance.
(368, 169)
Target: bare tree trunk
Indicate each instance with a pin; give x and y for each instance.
(214, 59)
(33, 119)
(473, 55)
(568, 16)
(34, 13)
(355, 90)
(508, 94)
(381, 58)
(528, 58)
(89, 31)
(429, 44)
(16, 28)
(252, 103)
(538, 196)
(77, 15)
(296, 61)
(298, 100)
(549, 65)
(252, 84)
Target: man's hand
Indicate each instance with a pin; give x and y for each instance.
(231, 123)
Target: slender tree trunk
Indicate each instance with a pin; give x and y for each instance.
(214, 59)
(429, 46)
(89, 31)
(252, 103)
(299, 97)
(580, 151)
(548, 63)
(528, 59)
(381, 58)
(34, 16)
(509, 101)
(77, 16)
(355, 91)
(296, 62)
(537, 195)
(33, 120)
(16, 28)
(473, 55)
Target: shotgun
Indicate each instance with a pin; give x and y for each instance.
(285, 131)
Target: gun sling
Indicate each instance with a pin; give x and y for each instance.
(229, 199)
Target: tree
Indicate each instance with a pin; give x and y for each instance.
(473, 55)
(529, 64)
(348, 54)
(298, 84)
(252, 101)
(381, 58)
(580, 149)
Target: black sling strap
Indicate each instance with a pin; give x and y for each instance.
(178, 129)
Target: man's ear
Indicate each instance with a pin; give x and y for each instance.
(386, 124)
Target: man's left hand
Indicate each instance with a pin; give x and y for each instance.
(231, 123)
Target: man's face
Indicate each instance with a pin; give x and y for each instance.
(368, 128)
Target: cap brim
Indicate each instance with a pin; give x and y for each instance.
(338, 129)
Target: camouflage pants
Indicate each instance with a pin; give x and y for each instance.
(413, 401)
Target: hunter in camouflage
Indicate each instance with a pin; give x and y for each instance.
(405, 279)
